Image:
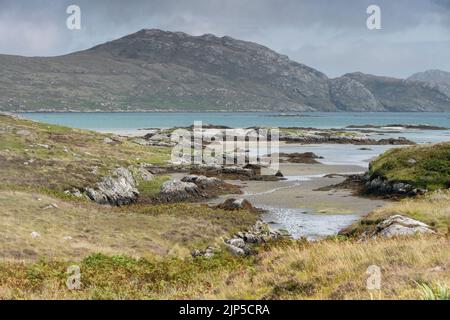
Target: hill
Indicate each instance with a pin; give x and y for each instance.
(439, 78)
(153, 70)
(422, 166)
(364, 92)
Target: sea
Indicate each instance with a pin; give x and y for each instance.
(117, 121)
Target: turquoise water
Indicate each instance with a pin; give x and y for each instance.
(129, 121)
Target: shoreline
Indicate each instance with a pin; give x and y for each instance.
(297, 205)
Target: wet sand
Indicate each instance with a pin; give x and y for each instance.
(297, 206)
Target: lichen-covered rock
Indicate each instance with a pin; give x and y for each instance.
(380, 186)
(117, 189)
(107, 140)
(74, 192)
(237, 242)
(143, 174)
(235, 250)
(202, 181)
(242, 243)
(207, 253)
(176, 190)
(398, 225)
(260, 232)
(238, 171)
(236, 204)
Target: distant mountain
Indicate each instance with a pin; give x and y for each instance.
(439, 78)
(375, 93)
(158, 70)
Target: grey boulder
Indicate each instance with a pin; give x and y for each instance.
(236, 204)
(117, 189)
(203, 181)
(398, 225)
(176, 190)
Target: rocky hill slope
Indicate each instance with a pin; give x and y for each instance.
(156, 70)
(439, 78)
(364, 92)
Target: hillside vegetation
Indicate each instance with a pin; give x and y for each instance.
(422, 166)
(329, 269)
(53, 158)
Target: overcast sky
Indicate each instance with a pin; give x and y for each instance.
(330, 36)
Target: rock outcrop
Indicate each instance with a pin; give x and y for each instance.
(377, 93)
(232, 204)
(143, 174)
(117, 189)
(249, 172)
(398, 225)
(177, 191)
(318, 136)
(241, 244)
(74, 192)
(203, 182)
(206, 253)
(296, 157)
(380, 186)
(351, 95)
(438, 78)
(192, 187)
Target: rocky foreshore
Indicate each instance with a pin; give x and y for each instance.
(296, 157)
(339, 139)
(378, 185)
(397, 125)
(194, 187)
(164, 137)
(365, 184)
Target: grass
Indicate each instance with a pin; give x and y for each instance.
(436, 292)
(423, 166)
(42, 156)
(142, 252)
(65, 158)
(432, 208)
(137, 231)
(336, 269)
(329, 269)
(117, 277)
(149, 189)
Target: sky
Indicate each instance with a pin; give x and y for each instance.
(329, 35)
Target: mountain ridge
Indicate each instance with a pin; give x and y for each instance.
(438, 78)
(156, 70)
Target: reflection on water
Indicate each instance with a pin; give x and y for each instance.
(304, 223)
(340, 154)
